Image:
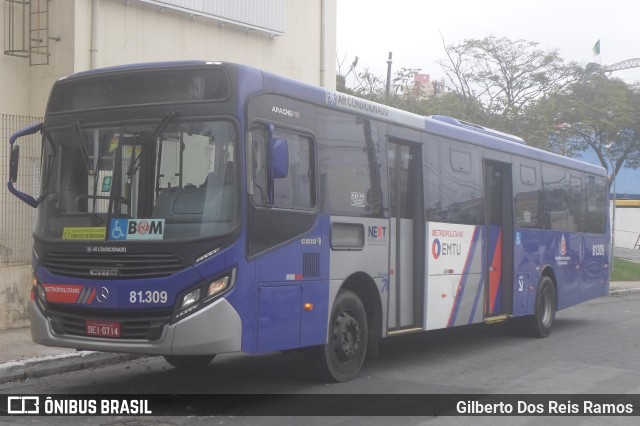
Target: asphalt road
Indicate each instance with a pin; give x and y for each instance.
(593, 349)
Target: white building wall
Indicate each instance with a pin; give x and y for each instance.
(136, 31)
(139, 32)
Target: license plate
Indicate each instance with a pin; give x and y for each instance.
(102, 328)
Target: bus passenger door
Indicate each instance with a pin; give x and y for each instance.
(499, 241)
(406, 237)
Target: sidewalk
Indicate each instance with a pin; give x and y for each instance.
(21, 359)
(627, 254)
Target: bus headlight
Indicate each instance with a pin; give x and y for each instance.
(200, 296)
(190, 299)
(218, 286)
(42, 294)
(39, 294)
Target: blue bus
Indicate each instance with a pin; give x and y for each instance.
(188, 209)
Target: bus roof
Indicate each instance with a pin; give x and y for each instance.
(439, 125)
(139, 66)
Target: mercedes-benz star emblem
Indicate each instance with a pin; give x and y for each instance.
(102, 294)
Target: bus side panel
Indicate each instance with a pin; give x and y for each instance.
(577, 260)
(568, 253)
(289, 277)
(530, 254)
(557, 250)
(529, 257)
(494, 303)
(285, 319)
(314, 318)
(278, 317)
(370, 258)
(455, 284)
(594, 267)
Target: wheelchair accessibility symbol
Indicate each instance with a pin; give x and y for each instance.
(117, 233)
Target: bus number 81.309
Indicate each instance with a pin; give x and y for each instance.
(148, 297)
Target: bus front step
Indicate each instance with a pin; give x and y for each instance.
(497, 318)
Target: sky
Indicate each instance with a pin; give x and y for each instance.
(412, 30)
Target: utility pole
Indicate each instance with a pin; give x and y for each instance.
(389, 62)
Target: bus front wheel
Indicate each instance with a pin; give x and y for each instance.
(189, 362)
(341, 358)
(539, 325)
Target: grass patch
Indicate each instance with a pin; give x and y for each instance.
(624, 270)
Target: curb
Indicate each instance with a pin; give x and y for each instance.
(623, 291)
(56, 364)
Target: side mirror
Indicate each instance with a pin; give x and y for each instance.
(14, 160)
(278, 158)
(13, 163)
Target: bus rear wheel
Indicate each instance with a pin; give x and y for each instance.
(189, 362)
(539, 325)
(342, 357)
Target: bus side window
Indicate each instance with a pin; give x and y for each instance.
(352, 165)
(556, 197)
(528, 196)
(454, 183)
(297, 189)
(259, 166)
(577, 202)
(597, 188)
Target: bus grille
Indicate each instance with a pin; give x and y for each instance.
(147, 325)
(123, 266)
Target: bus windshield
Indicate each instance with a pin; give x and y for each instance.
(159, 181)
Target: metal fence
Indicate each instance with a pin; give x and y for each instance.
(16, 218)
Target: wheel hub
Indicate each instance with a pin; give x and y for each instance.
(346, 334)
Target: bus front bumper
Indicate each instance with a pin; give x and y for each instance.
(214, 329)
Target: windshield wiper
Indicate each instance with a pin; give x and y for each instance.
(77, 132)
(115, 193)
(135, 164)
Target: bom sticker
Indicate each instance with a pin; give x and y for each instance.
(136, 229)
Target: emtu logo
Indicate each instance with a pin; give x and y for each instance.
(445, 249)
(436, 248)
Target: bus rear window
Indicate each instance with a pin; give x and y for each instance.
(140, 88)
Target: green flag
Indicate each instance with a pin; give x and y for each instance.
(596, 48)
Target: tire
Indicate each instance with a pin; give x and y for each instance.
(539, 324)
(342, 357)
(189, 362)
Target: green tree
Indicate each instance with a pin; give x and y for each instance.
(537, 126)
(602, 114)
(505, 77)
(366, 84)
(369, 86)
(341, 77)
(406, 94)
